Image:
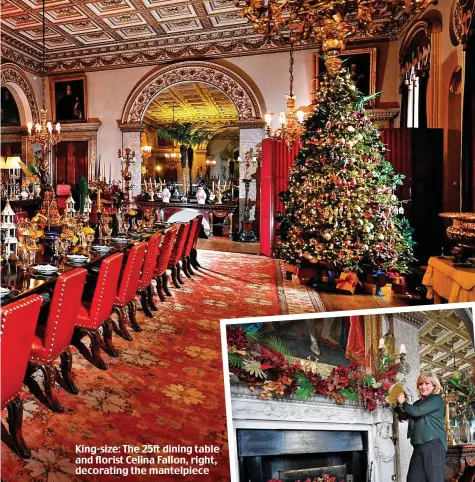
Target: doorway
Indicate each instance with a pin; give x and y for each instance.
(71, 162)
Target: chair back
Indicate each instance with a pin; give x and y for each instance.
(131, 274)
(150, 259)
(195, 224)
(63, 311)
(106, 289)
(18, 321)
(198, 231)
(179, 244)
(166, 250)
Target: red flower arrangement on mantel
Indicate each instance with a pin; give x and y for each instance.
(325, 478)
(265, 362)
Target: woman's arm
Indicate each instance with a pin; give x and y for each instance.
(401, 414)
(431, 405)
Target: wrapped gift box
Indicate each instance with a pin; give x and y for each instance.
(371, 288)
(399, 288)
(347, 282)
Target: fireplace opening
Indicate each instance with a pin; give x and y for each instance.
(291, 455)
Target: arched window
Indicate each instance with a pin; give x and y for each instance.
(415, 72)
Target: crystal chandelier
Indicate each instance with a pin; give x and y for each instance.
(330, 22)
(44, 134)
(291, 124)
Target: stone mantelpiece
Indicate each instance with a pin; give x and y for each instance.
(318, 413)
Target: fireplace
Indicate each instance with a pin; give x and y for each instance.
(292, 455)
(290, 439)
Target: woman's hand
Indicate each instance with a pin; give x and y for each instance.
(401, 398)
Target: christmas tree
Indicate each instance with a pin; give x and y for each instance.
(340, 207)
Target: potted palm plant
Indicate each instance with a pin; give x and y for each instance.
(187, 136)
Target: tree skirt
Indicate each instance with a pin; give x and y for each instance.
(166, 387)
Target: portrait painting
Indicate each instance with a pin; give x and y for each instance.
(69, 98)
(360, 63)
(10, 115)
(333, 341)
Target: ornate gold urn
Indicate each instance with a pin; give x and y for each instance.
(462, 231)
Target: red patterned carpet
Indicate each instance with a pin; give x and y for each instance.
(165, 388)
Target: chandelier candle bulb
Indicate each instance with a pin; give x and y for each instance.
(282, 119)
(381, 343)
(300, 115)
(402, 349)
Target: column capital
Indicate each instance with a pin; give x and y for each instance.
(130, 127)
(250, 123)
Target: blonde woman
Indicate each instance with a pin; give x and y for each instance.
(426, 430)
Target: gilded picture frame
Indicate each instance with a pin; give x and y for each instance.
(69, 98)
(362, 62)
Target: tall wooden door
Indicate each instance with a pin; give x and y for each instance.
(71, 162)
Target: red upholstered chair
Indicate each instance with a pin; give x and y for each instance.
(144, 287)
(97, 312)
(163, 259)
(18, 322)
(174, 263)
(194, 253)
(195, 224)
(53, 339)
(127, 289)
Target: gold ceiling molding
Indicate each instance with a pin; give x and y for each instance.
(14, 78)
(90, 35)
(416, 319)
(443, 338)
(218, 76)
(192, 102)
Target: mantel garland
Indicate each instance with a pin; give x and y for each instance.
(265, 362)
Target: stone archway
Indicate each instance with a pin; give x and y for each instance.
(22, 90)
(246, 98)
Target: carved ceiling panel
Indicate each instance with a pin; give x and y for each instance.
(444, 342)
(90, 35)
(192, 102)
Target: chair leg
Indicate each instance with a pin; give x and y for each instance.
(160, 292)
(52, 401)
(143, 301)
(175, 276)
(15, 420)
(194, 259)
(108, 347)
(120, 327)
(150, 301)
(179, 267)
(166, 289)
(189, 266)
(133, 316)
(184, 267)
(93, 356)
(67, 372)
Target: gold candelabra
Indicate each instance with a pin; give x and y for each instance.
(127, 159)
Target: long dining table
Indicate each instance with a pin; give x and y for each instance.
(25, 281)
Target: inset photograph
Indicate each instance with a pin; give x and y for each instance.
(362, 398)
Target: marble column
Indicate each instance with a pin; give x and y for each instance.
(250, 139)
(131, 138)
(408, 335)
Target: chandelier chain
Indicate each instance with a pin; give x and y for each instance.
(291, 69)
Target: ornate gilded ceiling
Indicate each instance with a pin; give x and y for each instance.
(440, 339)
(192, 102)
(90, 35)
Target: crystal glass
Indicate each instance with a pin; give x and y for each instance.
(64, 245)
(32, 250)
(89, 238)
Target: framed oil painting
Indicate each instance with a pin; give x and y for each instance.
(69, 100)
(361, 63)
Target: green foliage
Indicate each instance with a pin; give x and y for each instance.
(278, 345)
(304, 387)
(350, 394)
(253, 336)
(83, 190)
(185, 134)
(235, 360)
(340, 207)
